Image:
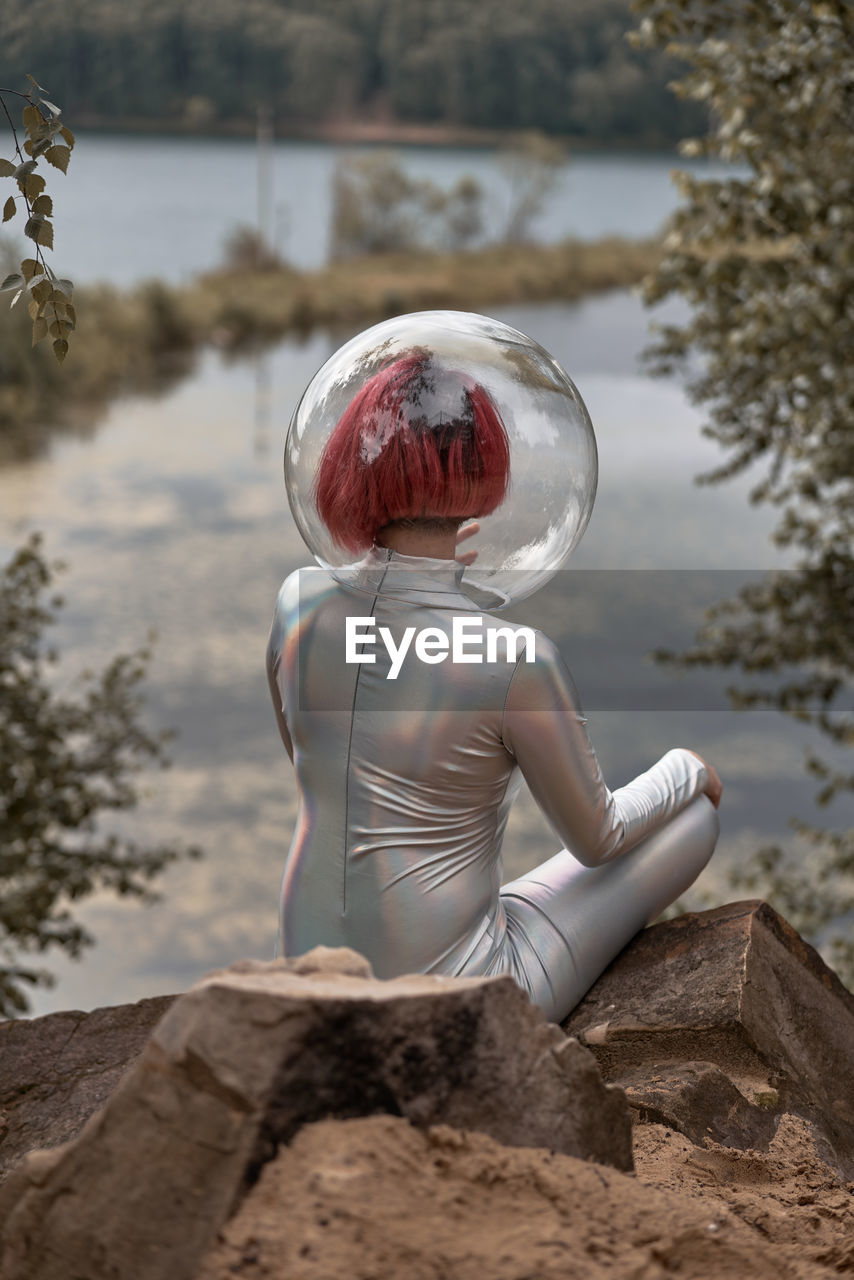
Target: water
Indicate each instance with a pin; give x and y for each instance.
(135, 207)
(173, 516)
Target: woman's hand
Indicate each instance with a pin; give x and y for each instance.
(714, 787)
(467, 531)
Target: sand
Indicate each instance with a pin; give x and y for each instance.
(374, 1198)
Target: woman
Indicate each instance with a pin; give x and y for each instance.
(409, 752)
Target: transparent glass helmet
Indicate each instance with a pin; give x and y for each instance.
(445, 413)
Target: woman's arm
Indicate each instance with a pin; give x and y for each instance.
(544, 729)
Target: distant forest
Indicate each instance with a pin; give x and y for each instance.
(562, 66)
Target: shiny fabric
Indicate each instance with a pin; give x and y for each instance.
(405, 787)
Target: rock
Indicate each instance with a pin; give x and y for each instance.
(249, 1056)
(719, 1022)
(55, 1071)
(700, 1101)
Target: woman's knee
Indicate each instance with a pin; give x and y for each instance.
(706, 825)
(686, 844)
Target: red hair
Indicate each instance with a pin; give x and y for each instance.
(417, 440)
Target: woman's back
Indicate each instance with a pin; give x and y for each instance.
(405, 782)
(407, 767)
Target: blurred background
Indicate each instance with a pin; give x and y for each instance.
(252, 184)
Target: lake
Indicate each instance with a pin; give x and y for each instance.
(135, 207)
(173, 516)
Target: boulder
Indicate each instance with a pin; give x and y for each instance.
(253, 1053)
(719, 1022)
(55, 1071)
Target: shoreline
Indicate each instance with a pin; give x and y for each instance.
(247, 309)
(362, 132)
(145, 340)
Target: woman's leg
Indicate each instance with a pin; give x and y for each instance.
(567, 922)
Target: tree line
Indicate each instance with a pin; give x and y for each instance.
(560, 66)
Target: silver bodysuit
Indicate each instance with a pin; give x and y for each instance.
(405, 785)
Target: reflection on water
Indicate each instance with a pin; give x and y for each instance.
(174, 517)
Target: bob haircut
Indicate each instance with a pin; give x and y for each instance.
(417, 441)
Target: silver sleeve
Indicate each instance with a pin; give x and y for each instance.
(544, 729)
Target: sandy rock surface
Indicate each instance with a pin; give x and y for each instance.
(721, 1022)
(305, 1120)
(251, 1055)
(376, 1199)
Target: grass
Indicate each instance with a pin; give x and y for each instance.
(238, 309)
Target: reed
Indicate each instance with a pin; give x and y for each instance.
(238, 310)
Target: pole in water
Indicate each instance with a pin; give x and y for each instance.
(264, 138)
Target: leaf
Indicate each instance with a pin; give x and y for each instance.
(58, 157)
(71, 315)
(39, 329)
(40, 87)
(9, 209)
(39, 229)
(7, 169)
(43, 204)
(38, 148)
(46, 128)
(14, 281)
(33, 185)
(66, 133)
(33, 119)
(42, 289)
(31, 267)
(65, 286)
(24, 169)
(15, 299)
(51, 107)
(34, 309)
(60, 349)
